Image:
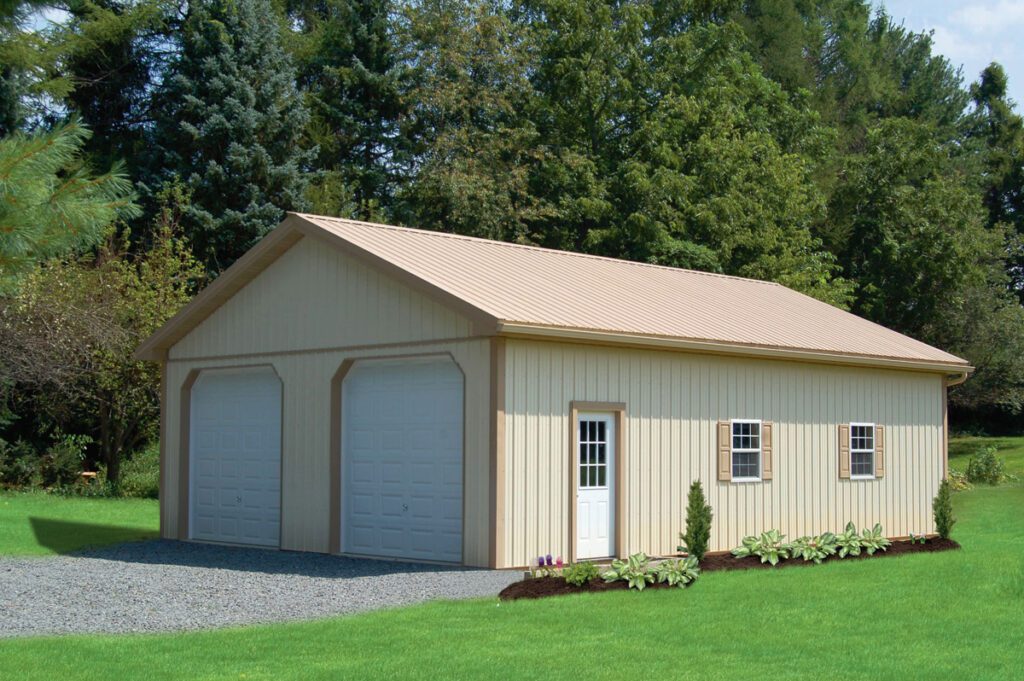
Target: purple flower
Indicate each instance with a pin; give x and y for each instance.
(548, 559)
(540, 561)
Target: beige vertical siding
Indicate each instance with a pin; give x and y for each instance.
(673, 401)
(305, 484)
(305, 314)
(315, 297)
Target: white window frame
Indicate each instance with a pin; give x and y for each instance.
(873, 451)
(759, 450)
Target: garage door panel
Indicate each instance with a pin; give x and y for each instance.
(235, 457)
(412, 442)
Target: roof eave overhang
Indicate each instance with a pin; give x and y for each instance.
(521, 330)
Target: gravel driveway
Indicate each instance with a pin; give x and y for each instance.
(172, 586)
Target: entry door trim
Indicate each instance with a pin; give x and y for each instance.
(617, 410)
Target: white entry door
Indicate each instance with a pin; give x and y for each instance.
(595, 485)
(402, 453)
(235, 457)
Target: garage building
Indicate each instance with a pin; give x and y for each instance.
(370, 390)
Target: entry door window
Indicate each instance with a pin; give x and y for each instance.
(593, 458)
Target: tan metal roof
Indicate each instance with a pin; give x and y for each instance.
(518, 290)
(525, 287)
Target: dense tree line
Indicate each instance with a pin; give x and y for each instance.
(816, 143)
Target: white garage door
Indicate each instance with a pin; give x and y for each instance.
(402, 448)
(235, 457)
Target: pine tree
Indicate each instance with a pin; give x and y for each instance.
(942, 508)
(50, 205)
(110, 51)
(995, 132)
(698, 523)
(229, 123)
(350, 73)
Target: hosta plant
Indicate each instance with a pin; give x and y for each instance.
(873, 540)
(636, 571)
(678, 572)
(770, 547)
(848, 542)
(579, 574)
(814, 548)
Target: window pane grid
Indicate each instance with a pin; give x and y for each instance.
(593, 454)
(746, 450)
(862, 450)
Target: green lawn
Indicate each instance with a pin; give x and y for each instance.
(953, 615)
(35, 523)
(1010, 449)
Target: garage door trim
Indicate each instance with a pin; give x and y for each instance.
(335, 526)
(184, 437)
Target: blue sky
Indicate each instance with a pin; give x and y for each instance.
(971, 34)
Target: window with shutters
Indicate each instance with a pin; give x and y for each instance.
(862, 450)
(746, 450)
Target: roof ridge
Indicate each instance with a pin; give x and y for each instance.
(555, 251)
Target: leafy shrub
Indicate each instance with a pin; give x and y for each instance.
(19, 464)
(942, 509)
(848, 542)
(769, 547)
(678, 572)
(636, 571)
(814, 548)
(958, 481)
(61, 465)
(698, 523)
(985, 467)
(873, 540)
(579, 574)
(140, 475)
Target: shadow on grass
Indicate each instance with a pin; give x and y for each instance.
(65, 536)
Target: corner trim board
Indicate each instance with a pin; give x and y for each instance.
(497, 442)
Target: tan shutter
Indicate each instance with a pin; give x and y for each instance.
(879, 451)
(844, 450)
(724, 451)
(766, 450)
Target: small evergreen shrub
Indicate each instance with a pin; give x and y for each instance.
(942, 508)
(986, 467)
(698, 523)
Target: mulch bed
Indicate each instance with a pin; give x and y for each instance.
(727, 561)
(543, 587)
